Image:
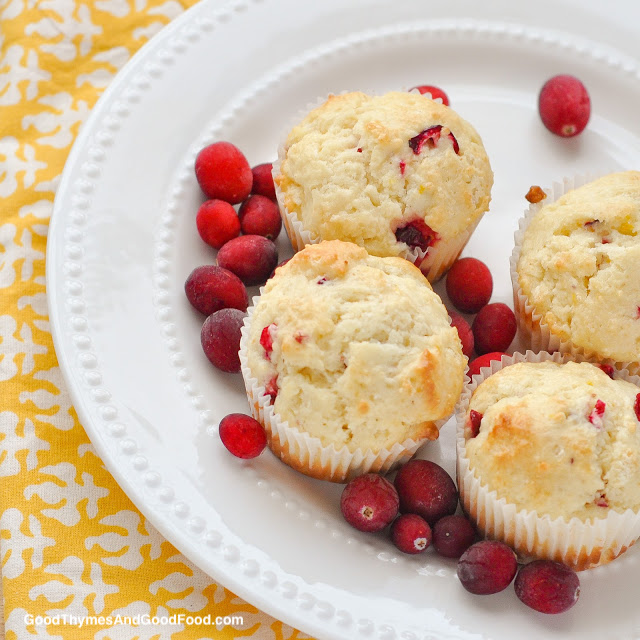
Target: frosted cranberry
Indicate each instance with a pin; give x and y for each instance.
(430, 137)
(263, 181)
(475, 418)
(417, 233)
(564, 105)
(487, 567)
(217, 222)
(464, 332)
(595, 417)
(426, 489)
(547, 586)
(452, 536)
(220, 339)
(243, 436)
(483, 361)
(636, 406)
(494, 328)
(260, 216)
(252, 258)
(369, 502)
(469, 285)
(410, 533)
(210, 288)
(266, 339)
(435, 93)
(608, 369)
(223, 172)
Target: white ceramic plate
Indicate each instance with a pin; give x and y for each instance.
(123, 240)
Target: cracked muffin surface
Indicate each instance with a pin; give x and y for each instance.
(579, 266)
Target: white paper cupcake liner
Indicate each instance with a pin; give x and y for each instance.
(433, 263)
(533, 330)
(576, 543)
(306, 453)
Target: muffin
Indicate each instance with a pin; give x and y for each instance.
(349, 361)
(397, 174)
(576, 268)
(549, 458)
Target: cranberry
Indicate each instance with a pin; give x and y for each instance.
(251, 258)
(220, 338)
(469, 285)
(452, 536)
(608, 369)
(464, 332)
(547, 586)
(431, 137)
(636, 406)
(564, 105)
(280, 264)
(483, 361)
(435, 93)
(263, 181)
(243, 436)
(427, 489)
(271, 388)
(223, 172)
(266, 339)
(595, 417)
(410, 533)
(210, 288)
(487, 567)
(475, 418)
(417, 233)
(369, 502)
(217, 222)
(260, 216)
(494, 328)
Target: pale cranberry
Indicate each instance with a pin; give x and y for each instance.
(426, 489)
(369, 502)
(220, 338)
(410, 533)
(487, 567)
(564, 105)
(260, 216)
(251, 258)
(469, 285)
(243, 436)
(217, 223)
(263, 180)
(494, 328)
(452, 536)
(547, 586)
(223, 172)
(209, 289)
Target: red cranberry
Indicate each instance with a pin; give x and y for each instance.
(210, 288)
(608, 369)
(263, 181)
(636, 406)
(494, 328)
(369, 502)
(564, 105)
(464, 332)
(260, 216)
(251, 258)
(483, 361)
(435, 93)
(410, 533)
(427, 489)
(223, 172)
(469, 285)
(430, 137)
(217, 222)
(266, 339)
(417, 233)
(475, 418)
(595, 417)
(547, 586)
(243, 436)
(220, 338)
(452, 536)
(271, 388)
(487, 567)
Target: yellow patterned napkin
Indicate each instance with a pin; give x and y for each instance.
(78, 560)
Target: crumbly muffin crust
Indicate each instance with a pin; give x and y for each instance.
(359, 348)
(356, 169)
(579, 266)
(559, 439)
